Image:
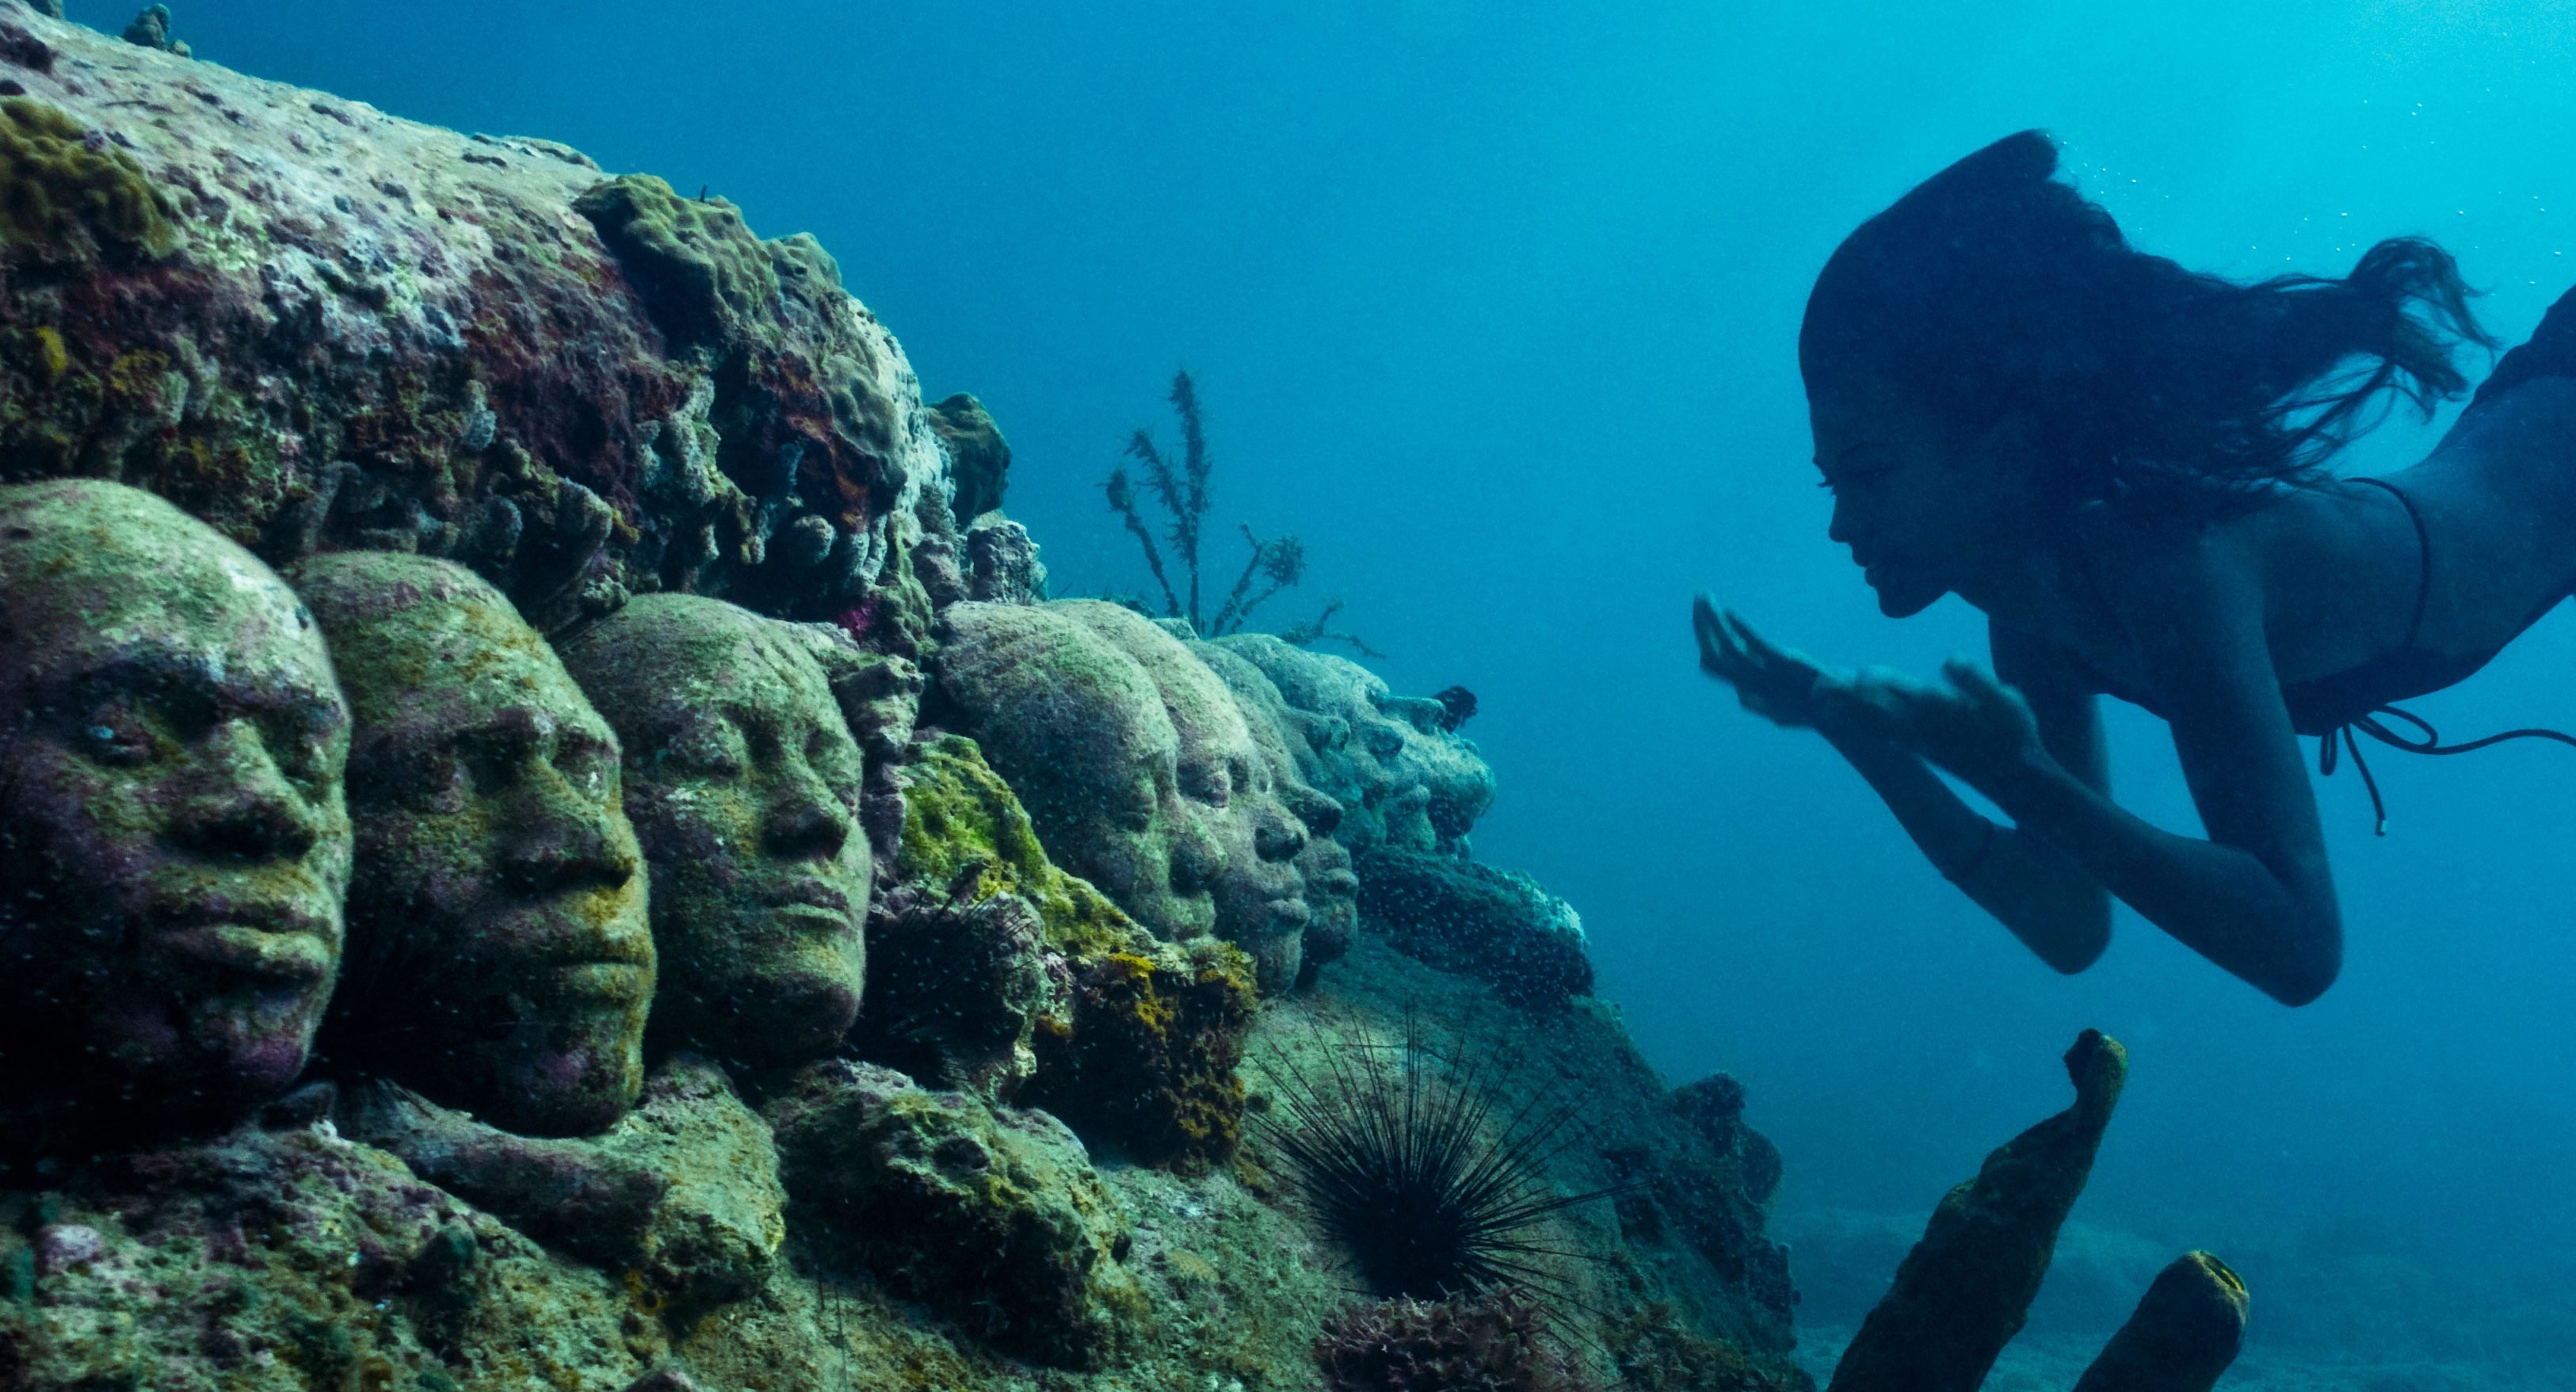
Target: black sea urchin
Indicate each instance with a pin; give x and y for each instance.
(1418, 1166)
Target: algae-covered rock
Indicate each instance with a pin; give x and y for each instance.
(315, 326)
(957, 987)
(1149, 1059)
(683, 1193)
(744, 783)
(295, 1262)
(64, 199)
(174, 842)
(965, 832)
(979, 459)
(500, 959)
(1460, 916)
(991, 1216)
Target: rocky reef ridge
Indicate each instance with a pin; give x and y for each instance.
(557, 840)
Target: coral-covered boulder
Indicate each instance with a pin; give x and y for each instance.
(957, 987)
(991, 1216)
(1497, 925)
(313, 324)
(683, 1193)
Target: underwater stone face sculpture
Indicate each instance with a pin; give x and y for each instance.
(1081, 734)
(500, 960)
(743, 783)
(1404, 779)
(1332, 889)
(1228, 788)
(173, 841)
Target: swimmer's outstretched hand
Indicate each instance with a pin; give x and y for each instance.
(1776, 683)
(1968, 723)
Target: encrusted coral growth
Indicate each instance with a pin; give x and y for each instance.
(979, 459)
(65, 197)
(992, 1217)
(151, 29)
(1492, 924)
(293, 1261)
(956, 987)
(1494, 1343)
(1654, 1353)
(965, 832)
(683, 1194)
(1714, 1197)
(1149, 1058)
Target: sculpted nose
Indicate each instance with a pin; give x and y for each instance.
(1840, 530)
(242, 805)
(1278, 837)
(562, 840)
(807, 822)
(1197, 860)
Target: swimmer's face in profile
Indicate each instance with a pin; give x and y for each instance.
(1922, 506)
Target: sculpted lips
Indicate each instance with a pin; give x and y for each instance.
(812, 899)
(275, 943)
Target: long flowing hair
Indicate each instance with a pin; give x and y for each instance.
(1995, 288)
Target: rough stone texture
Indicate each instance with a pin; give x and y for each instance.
(1965, 1289)
(313, 324)
(174, 842)
(979, 459)
(500, 958)
(744, 784)
(957, 987)
(1403, 777)
(1496, 925)
(683, 1194)
(993, 1217)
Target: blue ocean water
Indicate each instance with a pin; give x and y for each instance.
(1495, 305)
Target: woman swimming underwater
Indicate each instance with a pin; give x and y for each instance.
(2125, 466)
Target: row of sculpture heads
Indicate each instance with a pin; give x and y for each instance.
(365, 799)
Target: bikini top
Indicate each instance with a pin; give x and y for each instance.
(2358, 699)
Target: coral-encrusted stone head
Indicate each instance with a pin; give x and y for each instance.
(743, 782)
(500, 959)
(1079, 731)
(1227, 787)
(173, 842)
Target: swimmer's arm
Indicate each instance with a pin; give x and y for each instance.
(2049, 902)
(2256, 896)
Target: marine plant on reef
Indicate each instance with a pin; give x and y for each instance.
(1422, 1170)
(1275, 564)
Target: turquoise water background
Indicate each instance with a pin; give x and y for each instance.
(1495, 306)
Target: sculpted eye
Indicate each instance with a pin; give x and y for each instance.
(115, 734)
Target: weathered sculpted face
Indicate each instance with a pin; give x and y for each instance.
(173, 843)
(499, 959)
(1079, 731)
(1227, 788)
(743, 783)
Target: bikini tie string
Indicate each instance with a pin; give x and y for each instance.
(2430, 742)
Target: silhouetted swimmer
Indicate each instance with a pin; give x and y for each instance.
(2123, 464)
